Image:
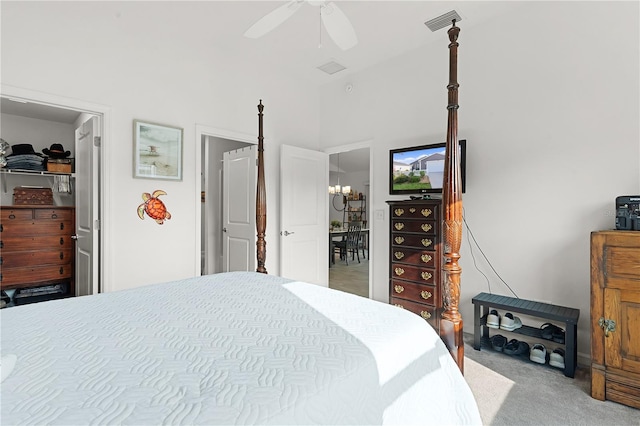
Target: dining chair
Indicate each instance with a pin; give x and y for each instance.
(349, 245)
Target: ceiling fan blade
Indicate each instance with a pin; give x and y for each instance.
(338, 26)
(273, 19)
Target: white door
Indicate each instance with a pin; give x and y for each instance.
(239, 178)
(86, 169)
(304, 215)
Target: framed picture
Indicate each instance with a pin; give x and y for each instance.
(157, 151)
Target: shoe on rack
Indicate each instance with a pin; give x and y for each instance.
(493, 319)
(498, 342)
(509, 322)
(538, 354)
(516, 347)
(556, 358)
(552, 332)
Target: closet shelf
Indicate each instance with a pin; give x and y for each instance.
(34, 172)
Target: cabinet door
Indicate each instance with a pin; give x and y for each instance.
(622, 346)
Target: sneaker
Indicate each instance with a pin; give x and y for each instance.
(493, 319)
(556, 359)
(509, 322)
(498, 342)
(538, 354)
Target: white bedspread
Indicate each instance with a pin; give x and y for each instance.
(236, 348)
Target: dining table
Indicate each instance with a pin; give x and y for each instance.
(342, 233)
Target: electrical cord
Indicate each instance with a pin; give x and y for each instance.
(485, 257)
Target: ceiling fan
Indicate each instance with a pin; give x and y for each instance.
(334, 20)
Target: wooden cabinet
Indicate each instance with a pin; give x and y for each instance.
(416, 258)
(37, 246)
(615, 316)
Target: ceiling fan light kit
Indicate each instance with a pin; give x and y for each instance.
(333, 18)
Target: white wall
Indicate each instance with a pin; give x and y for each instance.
(549, 105)
(123, 55)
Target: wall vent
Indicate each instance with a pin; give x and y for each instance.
(331, 67)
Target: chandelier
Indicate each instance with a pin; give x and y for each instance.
(337, 189)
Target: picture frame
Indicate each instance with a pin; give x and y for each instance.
(157, 151)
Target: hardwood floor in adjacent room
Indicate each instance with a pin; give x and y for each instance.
(352, 278)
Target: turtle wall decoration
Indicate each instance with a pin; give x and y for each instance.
(154, 207)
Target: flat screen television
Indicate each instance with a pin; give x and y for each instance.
(420, 169)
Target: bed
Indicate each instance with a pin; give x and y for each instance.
(240, 348)
(231, 348)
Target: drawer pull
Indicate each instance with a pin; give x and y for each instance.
(61, 226)
(426, 275)
(412, 210)
(0, 260)
(399, 306)
(61, 241)
(61, 255)
(426, 295)
(425, 314)
(12, 216)
(399, 226)
(399, 212)
(398, 288)
(61, 270)
(399, 240)
(399, 255)
(54, 216)
(426, 212)
(426, 227)
(399, 271)
(1, 227)
(1, 244)
(426, 242)
(426, 258)
(607, 325)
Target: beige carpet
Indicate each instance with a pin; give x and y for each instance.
(515, 392)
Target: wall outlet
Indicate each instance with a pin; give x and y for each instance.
(379, 214)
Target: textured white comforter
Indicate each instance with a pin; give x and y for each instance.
(235, 348)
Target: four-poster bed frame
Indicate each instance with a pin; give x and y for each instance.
(451, 321)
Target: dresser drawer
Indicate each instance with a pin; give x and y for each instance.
(35, 242)
(429, 313)
(13, 259)
(7, 215)
(424, 258)
(36, 227)
(429, 242)
(29, 275)
(415, 212)
(414, 273)
(414, 292)
(53, 214)
(424, 227)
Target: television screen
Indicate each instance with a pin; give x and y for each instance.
(420, 169)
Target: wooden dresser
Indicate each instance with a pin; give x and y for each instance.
(37, 246)
(416, 258)
(615, 316)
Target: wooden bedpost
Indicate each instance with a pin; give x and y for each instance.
(261, 199)
(451, 321)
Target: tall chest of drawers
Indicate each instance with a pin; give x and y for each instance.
(416, 258)
(37, 246)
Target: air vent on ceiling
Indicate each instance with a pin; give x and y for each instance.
(331, 67)
(443, 20)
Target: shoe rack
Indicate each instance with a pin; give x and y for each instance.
(484, 302)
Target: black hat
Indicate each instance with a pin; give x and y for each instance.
(56, 151)
(23, 149)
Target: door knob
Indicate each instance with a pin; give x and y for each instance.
(286, 233)
(74, 237)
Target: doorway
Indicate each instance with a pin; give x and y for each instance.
(214, 143)
(350, 204)
(36, 117)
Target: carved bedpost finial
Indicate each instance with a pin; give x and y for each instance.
(261, 200)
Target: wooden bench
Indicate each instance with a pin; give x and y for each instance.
(484, 302)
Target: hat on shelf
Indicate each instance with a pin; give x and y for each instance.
(56, 151)
(23, 149)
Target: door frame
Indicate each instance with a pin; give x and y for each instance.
(204, 130)
(104, 174)
(368, 143)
